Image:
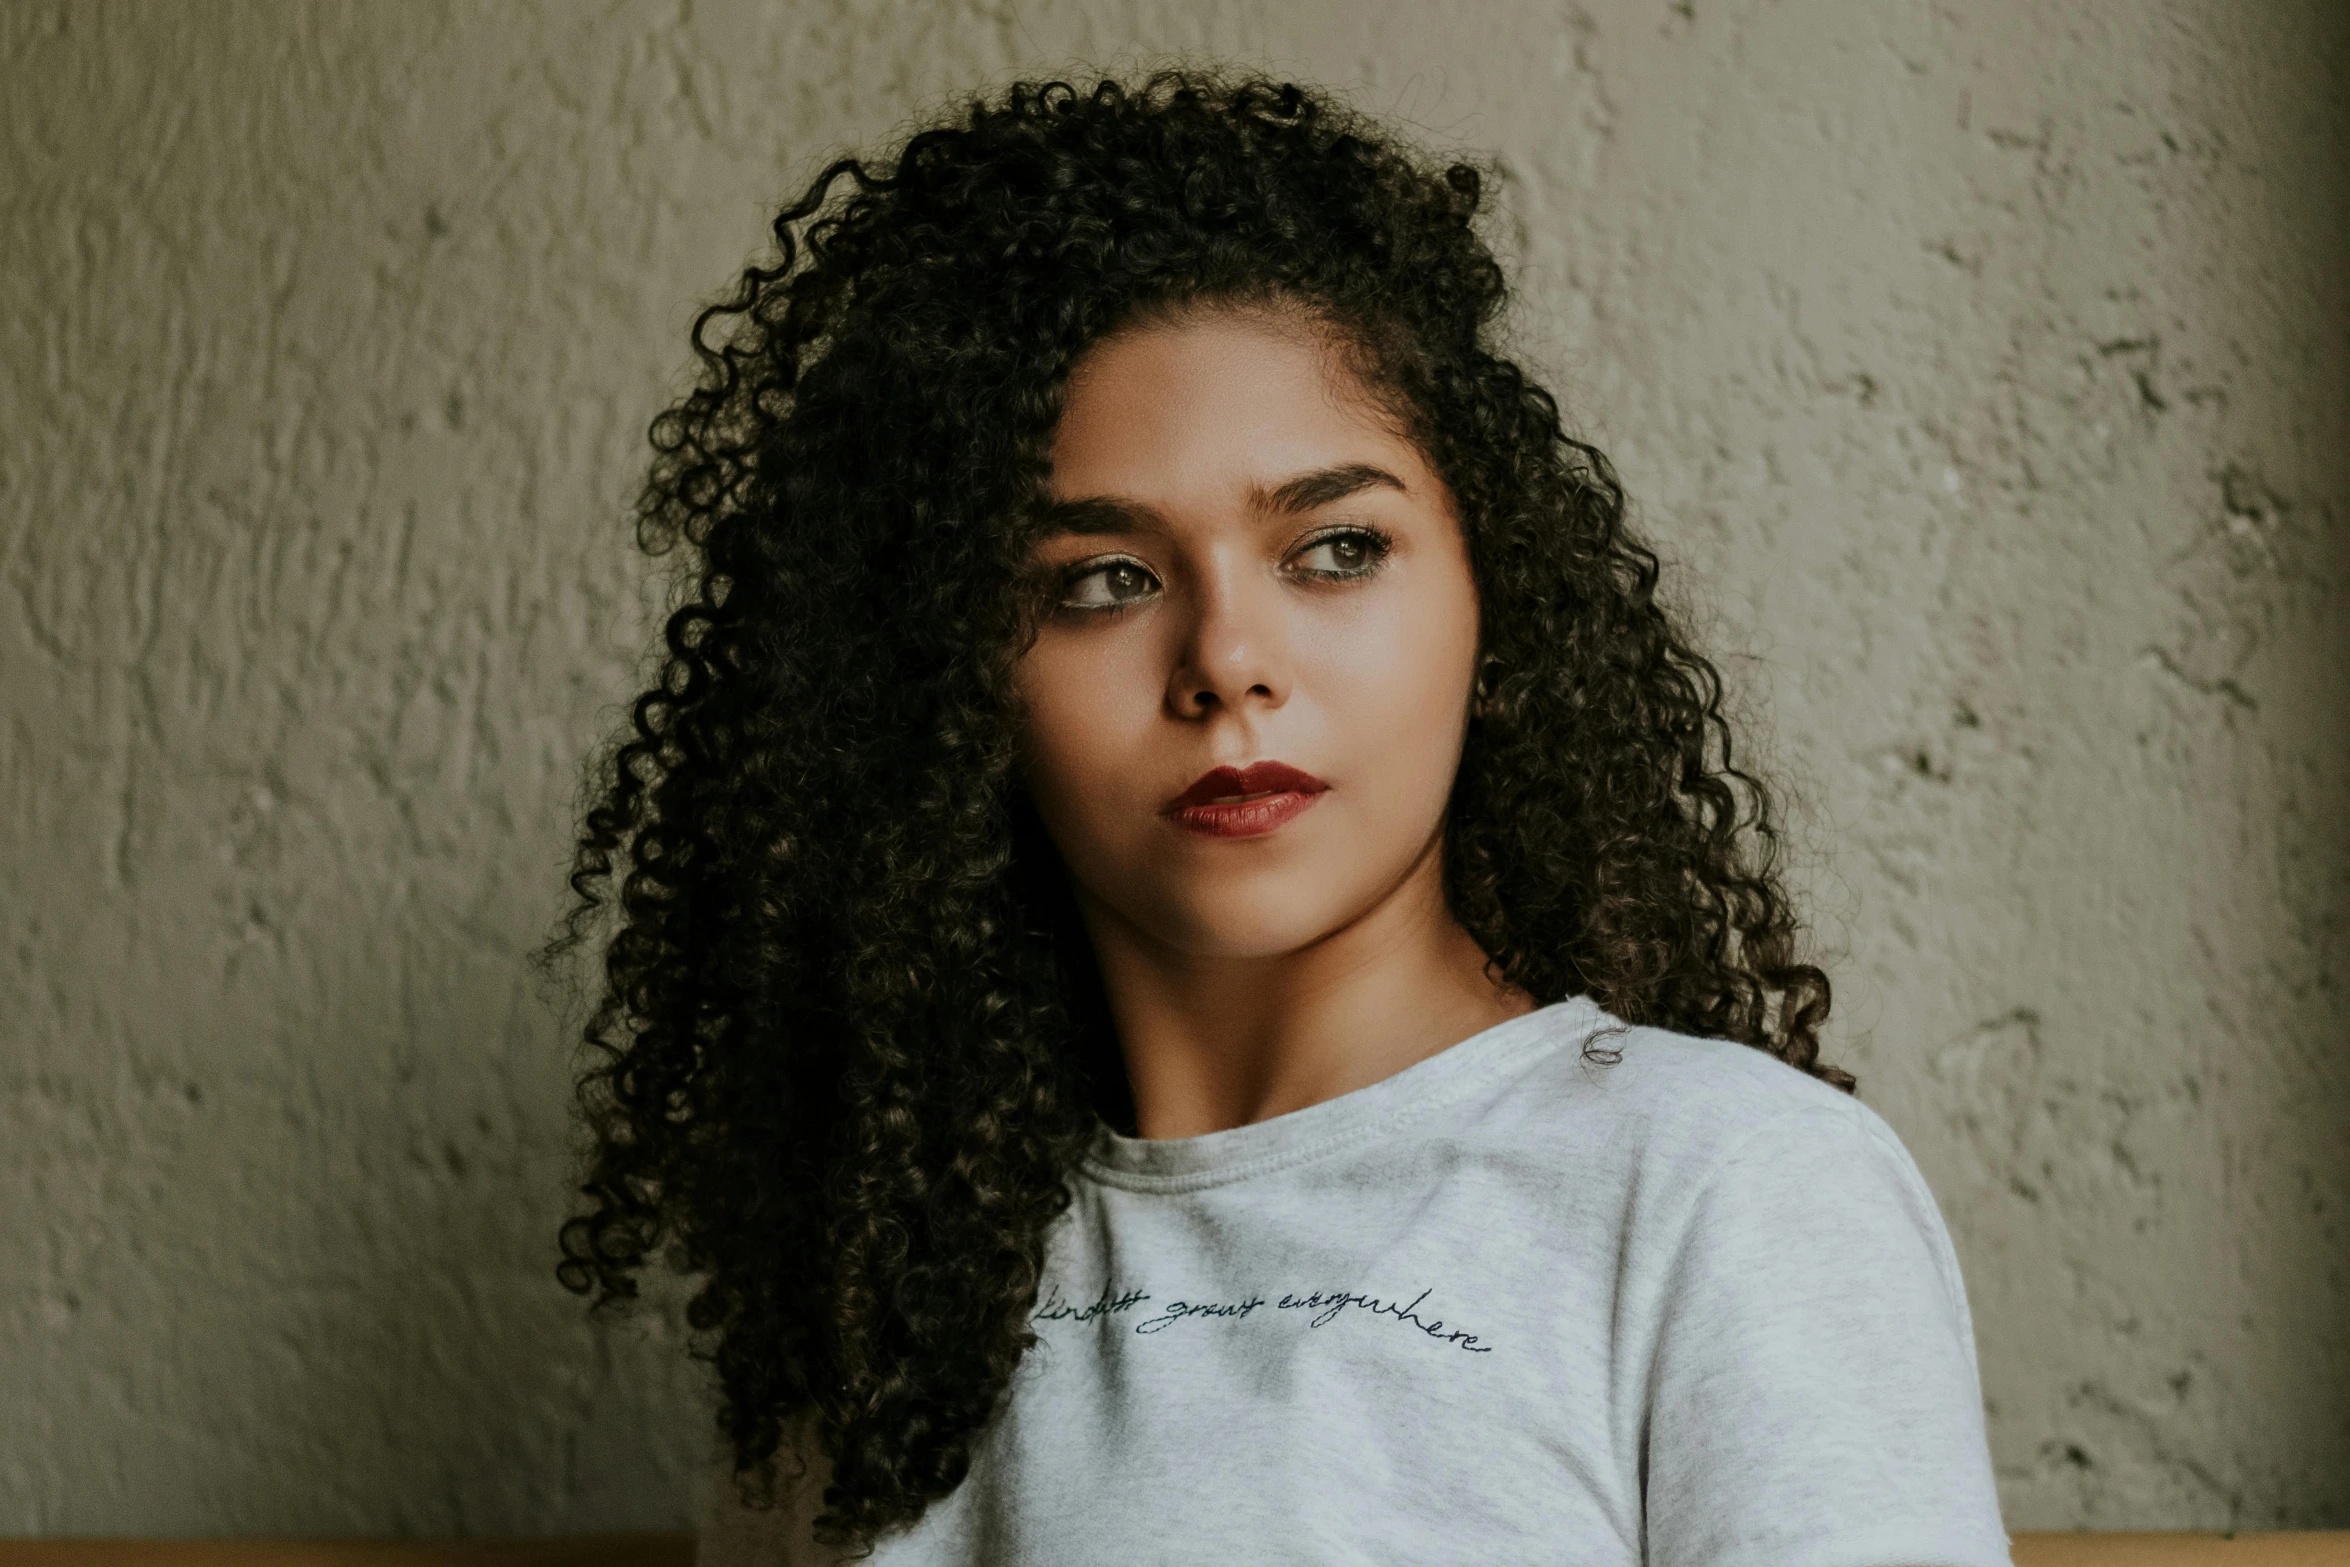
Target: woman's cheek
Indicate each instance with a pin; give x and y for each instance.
(1396, 687)
(1087, 743)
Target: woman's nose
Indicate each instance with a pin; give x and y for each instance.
(1234, 653)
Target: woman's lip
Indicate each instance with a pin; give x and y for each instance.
(1244, 802)
(1227, 786)
(1250, 818)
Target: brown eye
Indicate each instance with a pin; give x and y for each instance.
(1349, 553)
(1108, 584)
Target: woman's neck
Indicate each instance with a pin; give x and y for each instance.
(1215, 1042)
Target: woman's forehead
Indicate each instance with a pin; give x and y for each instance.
(1238, 402)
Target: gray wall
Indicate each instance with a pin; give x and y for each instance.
(1984, 363)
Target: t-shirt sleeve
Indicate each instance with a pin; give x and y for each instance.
(1814, 1400)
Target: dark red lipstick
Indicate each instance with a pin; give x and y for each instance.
(1244, 802)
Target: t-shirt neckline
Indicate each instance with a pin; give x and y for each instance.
(1180, 1164)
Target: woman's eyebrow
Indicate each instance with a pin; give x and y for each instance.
(1097, 514)
(1102, 514)
(1324, 485)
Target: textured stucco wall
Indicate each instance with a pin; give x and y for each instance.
(1985, 360)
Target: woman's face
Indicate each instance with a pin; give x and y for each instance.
(1246, 709)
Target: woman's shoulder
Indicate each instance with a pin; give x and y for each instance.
(1708, 1145)
(1658, 1098)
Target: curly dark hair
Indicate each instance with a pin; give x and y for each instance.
(850, 1040)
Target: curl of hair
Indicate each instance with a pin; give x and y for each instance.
(849, 1041)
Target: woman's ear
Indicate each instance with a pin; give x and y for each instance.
(1481, 691)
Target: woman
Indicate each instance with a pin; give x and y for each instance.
(1192, 974)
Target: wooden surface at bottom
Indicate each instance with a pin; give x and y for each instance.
(677, 1550)
(2102, 1549)
(602, 1550)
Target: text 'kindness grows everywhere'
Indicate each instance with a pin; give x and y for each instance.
(1321, 1308)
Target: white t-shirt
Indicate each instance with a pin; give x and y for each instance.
(1510, 1305)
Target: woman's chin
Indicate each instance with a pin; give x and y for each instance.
(1252, 923)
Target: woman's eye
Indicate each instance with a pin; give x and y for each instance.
(1355, 552)
(1109, 584)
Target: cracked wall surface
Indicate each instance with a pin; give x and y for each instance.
(1983, 371)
